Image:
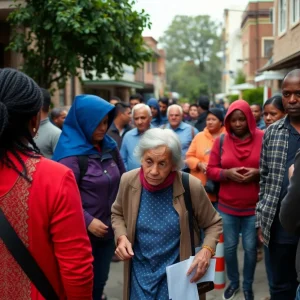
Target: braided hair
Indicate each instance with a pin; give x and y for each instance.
(20, 100)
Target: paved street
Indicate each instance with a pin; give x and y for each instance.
(114, 285)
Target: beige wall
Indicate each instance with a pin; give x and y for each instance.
(289, 42)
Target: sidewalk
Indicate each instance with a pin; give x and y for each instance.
(115, 283)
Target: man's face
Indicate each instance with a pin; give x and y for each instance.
(193, 112)
(126, 116)
(59, 121)
(134, 102)
(174, 117)
(163, 108)
(291, 96)
(256, 111)
(141, 120)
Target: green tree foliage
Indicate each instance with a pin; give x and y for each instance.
(194, 39)
(63, 36)
(240, 77)
(186, 78)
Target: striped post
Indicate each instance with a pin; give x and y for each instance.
(220, 265)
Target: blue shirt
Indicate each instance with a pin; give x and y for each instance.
(282, 236)
(130, 141)
(186, 133)
(261, 124)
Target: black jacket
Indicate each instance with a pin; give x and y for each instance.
(290, 209)
(201, 123)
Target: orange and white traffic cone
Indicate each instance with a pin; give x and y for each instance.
(220, 265)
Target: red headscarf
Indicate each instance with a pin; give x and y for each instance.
(242, 148)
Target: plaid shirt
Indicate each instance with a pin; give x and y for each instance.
(272, 169)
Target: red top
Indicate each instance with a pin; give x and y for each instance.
(237, 198)
(47, 215)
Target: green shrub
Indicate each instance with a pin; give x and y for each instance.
(232, 98)
(254, 96)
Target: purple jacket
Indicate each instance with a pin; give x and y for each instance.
(99, 186)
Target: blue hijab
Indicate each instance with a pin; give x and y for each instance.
(83, 118)
(157, 120)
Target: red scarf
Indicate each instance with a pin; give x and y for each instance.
(154, 188)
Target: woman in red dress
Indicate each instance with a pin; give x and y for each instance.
(41, 201)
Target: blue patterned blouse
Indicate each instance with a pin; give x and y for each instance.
(156, 245)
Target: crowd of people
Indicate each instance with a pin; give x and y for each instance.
(105, 180)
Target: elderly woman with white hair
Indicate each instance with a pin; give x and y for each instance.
(150, 219)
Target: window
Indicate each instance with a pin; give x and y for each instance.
(267, 47)
(294, 11)
(282, 16)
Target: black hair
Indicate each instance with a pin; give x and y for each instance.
(121, 108)
(115, 98)
(56, 111)
(164, 100)
(203, 102)
(138, 97)
(194, 105)
(257, 104)
(276, 101)
(46, 100)
(20, 100)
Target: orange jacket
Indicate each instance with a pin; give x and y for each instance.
(199, 151)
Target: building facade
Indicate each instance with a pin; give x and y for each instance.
(232, 46)
(257, 37)
(286, 50)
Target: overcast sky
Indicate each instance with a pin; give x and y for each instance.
(162, 11)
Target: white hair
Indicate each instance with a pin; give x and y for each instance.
(175, 106)
(157, 137)
(141, 106)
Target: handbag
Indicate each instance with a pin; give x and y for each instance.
(202, 287)
(213, 187)
(24, 258)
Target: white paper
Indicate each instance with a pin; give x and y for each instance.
(179, 284)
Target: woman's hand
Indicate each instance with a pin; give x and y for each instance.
(124, 248)
(200, 264)
(234, 175)
(251, 174)
(202, 167)
(98, 228)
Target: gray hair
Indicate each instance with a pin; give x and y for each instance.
(56, 111)
(157, 137)
(175, 106)
(141, 106)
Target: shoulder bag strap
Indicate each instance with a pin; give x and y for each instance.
(83, 166)
(189, 207)
(24, 258)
